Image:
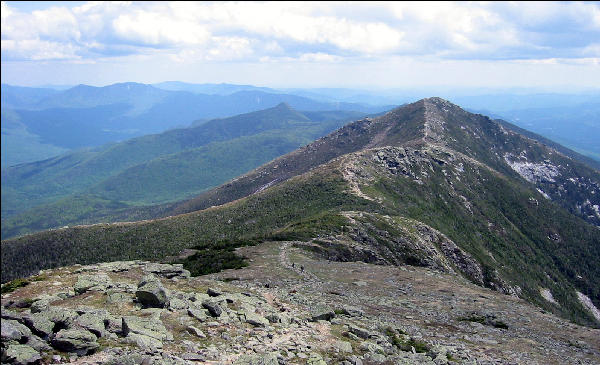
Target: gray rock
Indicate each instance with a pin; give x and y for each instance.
(8, 314)
(146, 326)
(358, 331)
(151, 292)
(263, 359)
(42, 303)
(12, 330)
(354, 360)
(177, 304)
(342, 346)
(322, 314)
(113, 324)
(256, 319)
(93, 322)
(21, 354)
(196, 332)
(38, 344)
(315, 359)
(198, 313)
(369, 346)
(79, 341)
(167, 270)
(116, 297)
(379, 358)
(277, 318)
(213, 308)
(190, 356)
(39, 323)
(213, 292)
(97, 282)
(352, 311)
(147, 343)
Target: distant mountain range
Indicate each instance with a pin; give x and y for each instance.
(108, 182)
(41, 123)
(427, 184)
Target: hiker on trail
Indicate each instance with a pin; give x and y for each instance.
(302, 268)
(293, 264)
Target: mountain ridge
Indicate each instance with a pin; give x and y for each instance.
(481, 186)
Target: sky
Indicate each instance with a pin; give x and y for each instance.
(543, 45)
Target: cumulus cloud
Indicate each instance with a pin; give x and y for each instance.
(304, 31)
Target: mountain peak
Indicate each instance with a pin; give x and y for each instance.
(283, 106)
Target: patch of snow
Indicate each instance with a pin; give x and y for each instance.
(543, 194)
(547, 294)
(587, 302)
(532, 172)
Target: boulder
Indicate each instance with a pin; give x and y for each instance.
(342, 346)
(168, 271)
(93, 322)
(358, 331)
(212, 292)
(151, 292)
(146, 326)
(256, 319)
(12, 330)
(322, 314)
(213, 308)
(79, 341)
(198, 313)
(262, 359)
(21, 354)
(147, 343)
(196, 332)
(97, 282)
(177, 304)
(39, 323)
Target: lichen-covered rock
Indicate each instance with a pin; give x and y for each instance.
(151, 292)
(93, 322)
(322, 314)
(315, 359)
(255, 319)
(79, 341)
(196, 332)
(177, 304)
(342, 346)
(168, 271)
(85, 282)
(198, 313)
(359, 331)
(39, 323)
(146, 326)
(147, 343)
(21, 355)
(264, 359)
(14, 331)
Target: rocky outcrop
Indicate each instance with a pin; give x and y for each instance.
(318, 318)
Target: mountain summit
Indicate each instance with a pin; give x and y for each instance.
(427, 184)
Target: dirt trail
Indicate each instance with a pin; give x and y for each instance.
(284, 260)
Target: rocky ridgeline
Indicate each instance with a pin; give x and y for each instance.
(285, 308)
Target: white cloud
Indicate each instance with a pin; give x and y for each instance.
(290, 30)
(36, 50)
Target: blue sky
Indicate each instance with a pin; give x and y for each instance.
(548, 45)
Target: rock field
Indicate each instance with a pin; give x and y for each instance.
(287, 307)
